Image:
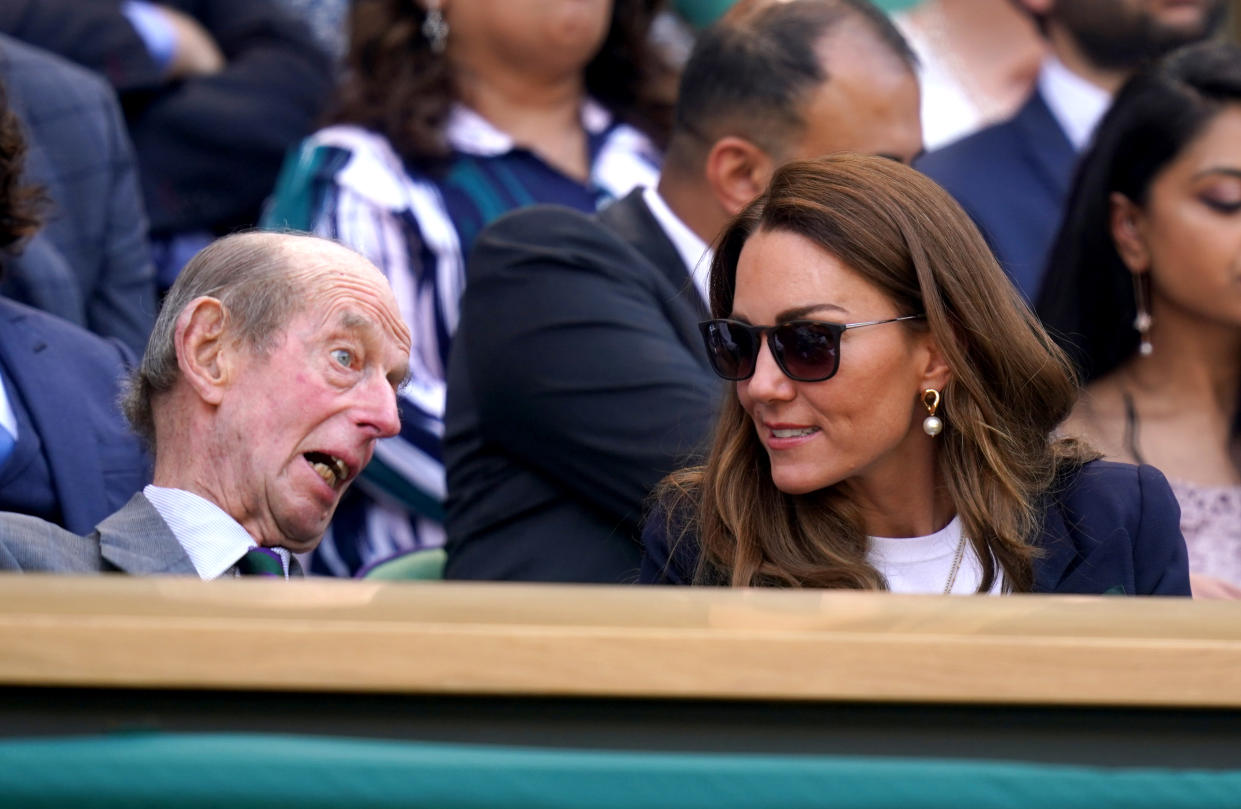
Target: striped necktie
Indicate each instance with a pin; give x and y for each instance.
(261, 562)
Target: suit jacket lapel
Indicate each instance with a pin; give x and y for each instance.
(633, 222)
(136, 540)
(1046, 144)
(69, 445)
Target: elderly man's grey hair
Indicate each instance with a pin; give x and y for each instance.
(262, 285)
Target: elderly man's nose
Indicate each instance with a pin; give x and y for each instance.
(376, 408)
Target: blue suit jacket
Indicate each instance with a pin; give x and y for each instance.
(69, 380)
(90, 264)
(1012, 179)
(1107, 528)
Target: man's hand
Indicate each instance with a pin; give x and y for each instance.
(196, 53)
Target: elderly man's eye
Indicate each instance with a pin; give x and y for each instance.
(343, 355)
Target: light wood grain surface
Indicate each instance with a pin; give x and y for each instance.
(457, 638)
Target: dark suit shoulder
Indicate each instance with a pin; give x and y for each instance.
(1112, 528)
(968, 166)
(89, 352)
(544, 229)
(38, 73)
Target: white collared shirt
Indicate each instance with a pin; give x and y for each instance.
(1076, 104)
(696, 253)
(213, 540)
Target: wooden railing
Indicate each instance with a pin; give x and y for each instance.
(493, 639)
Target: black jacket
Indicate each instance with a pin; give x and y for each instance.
(576, 381)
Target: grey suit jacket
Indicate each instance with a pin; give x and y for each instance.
(133, 540)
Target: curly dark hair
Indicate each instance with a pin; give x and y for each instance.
(19, 203)
(396, 86)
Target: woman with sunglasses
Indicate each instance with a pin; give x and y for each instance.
(1145, 286)
(891, 421)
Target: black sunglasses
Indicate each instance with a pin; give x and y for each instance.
(806, 350)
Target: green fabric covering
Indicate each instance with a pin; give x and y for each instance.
(239, 771)
(701, 13)
(418, 565)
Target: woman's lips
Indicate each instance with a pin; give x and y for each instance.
(787, 436)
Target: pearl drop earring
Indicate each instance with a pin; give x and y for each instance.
(931, 425)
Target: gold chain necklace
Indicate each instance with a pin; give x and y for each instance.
(956, 565)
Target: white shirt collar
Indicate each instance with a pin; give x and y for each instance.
(693, 250)
(213, 540)
(1076, 104)
(469, 132)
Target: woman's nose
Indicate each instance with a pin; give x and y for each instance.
(769, 382)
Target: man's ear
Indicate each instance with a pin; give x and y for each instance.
(737, 171)
(1127, 223)
(203, 353)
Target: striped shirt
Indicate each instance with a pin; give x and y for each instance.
(348, 183)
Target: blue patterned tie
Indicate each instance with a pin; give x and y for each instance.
(261, 562)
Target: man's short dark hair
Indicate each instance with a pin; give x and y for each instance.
(750, 72)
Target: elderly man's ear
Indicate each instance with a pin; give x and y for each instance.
(204, 352)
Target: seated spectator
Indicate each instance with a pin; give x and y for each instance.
(978, 60)
(66, 454)
(578, 379)
(214, 91)
(892, 417)
(90, 264)
(1013, 177)
(449, 117)
(270, 374)
(1142, 290)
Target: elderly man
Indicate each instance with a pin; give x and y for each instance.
(271, 372)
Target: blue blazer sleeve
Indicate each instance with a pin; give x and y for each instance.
(1113, 528)
(1160, 560)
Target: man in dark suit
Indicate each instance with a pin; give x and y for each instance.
(578, 378)
(66, 454)
(214, 91)
(90, 264)
(1012, 177)
(271, 372)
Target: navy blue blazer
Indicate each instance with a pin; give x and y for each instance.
(1108, 528)
(1012, 179)
(69, 380)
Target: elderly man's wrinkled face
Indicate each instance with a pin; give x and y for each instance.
(298, 423)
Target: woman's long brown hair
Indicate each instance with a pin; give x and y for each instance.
(1010, 387)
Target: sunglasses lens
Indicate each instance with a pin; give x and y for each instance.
(731, 348)
(809, 352)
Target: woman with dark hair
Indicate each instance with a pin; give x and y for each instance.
(890, 424)
(452, 113)
(1144, 291)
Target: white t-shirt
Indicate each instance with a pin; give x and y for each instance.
(923, 564)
